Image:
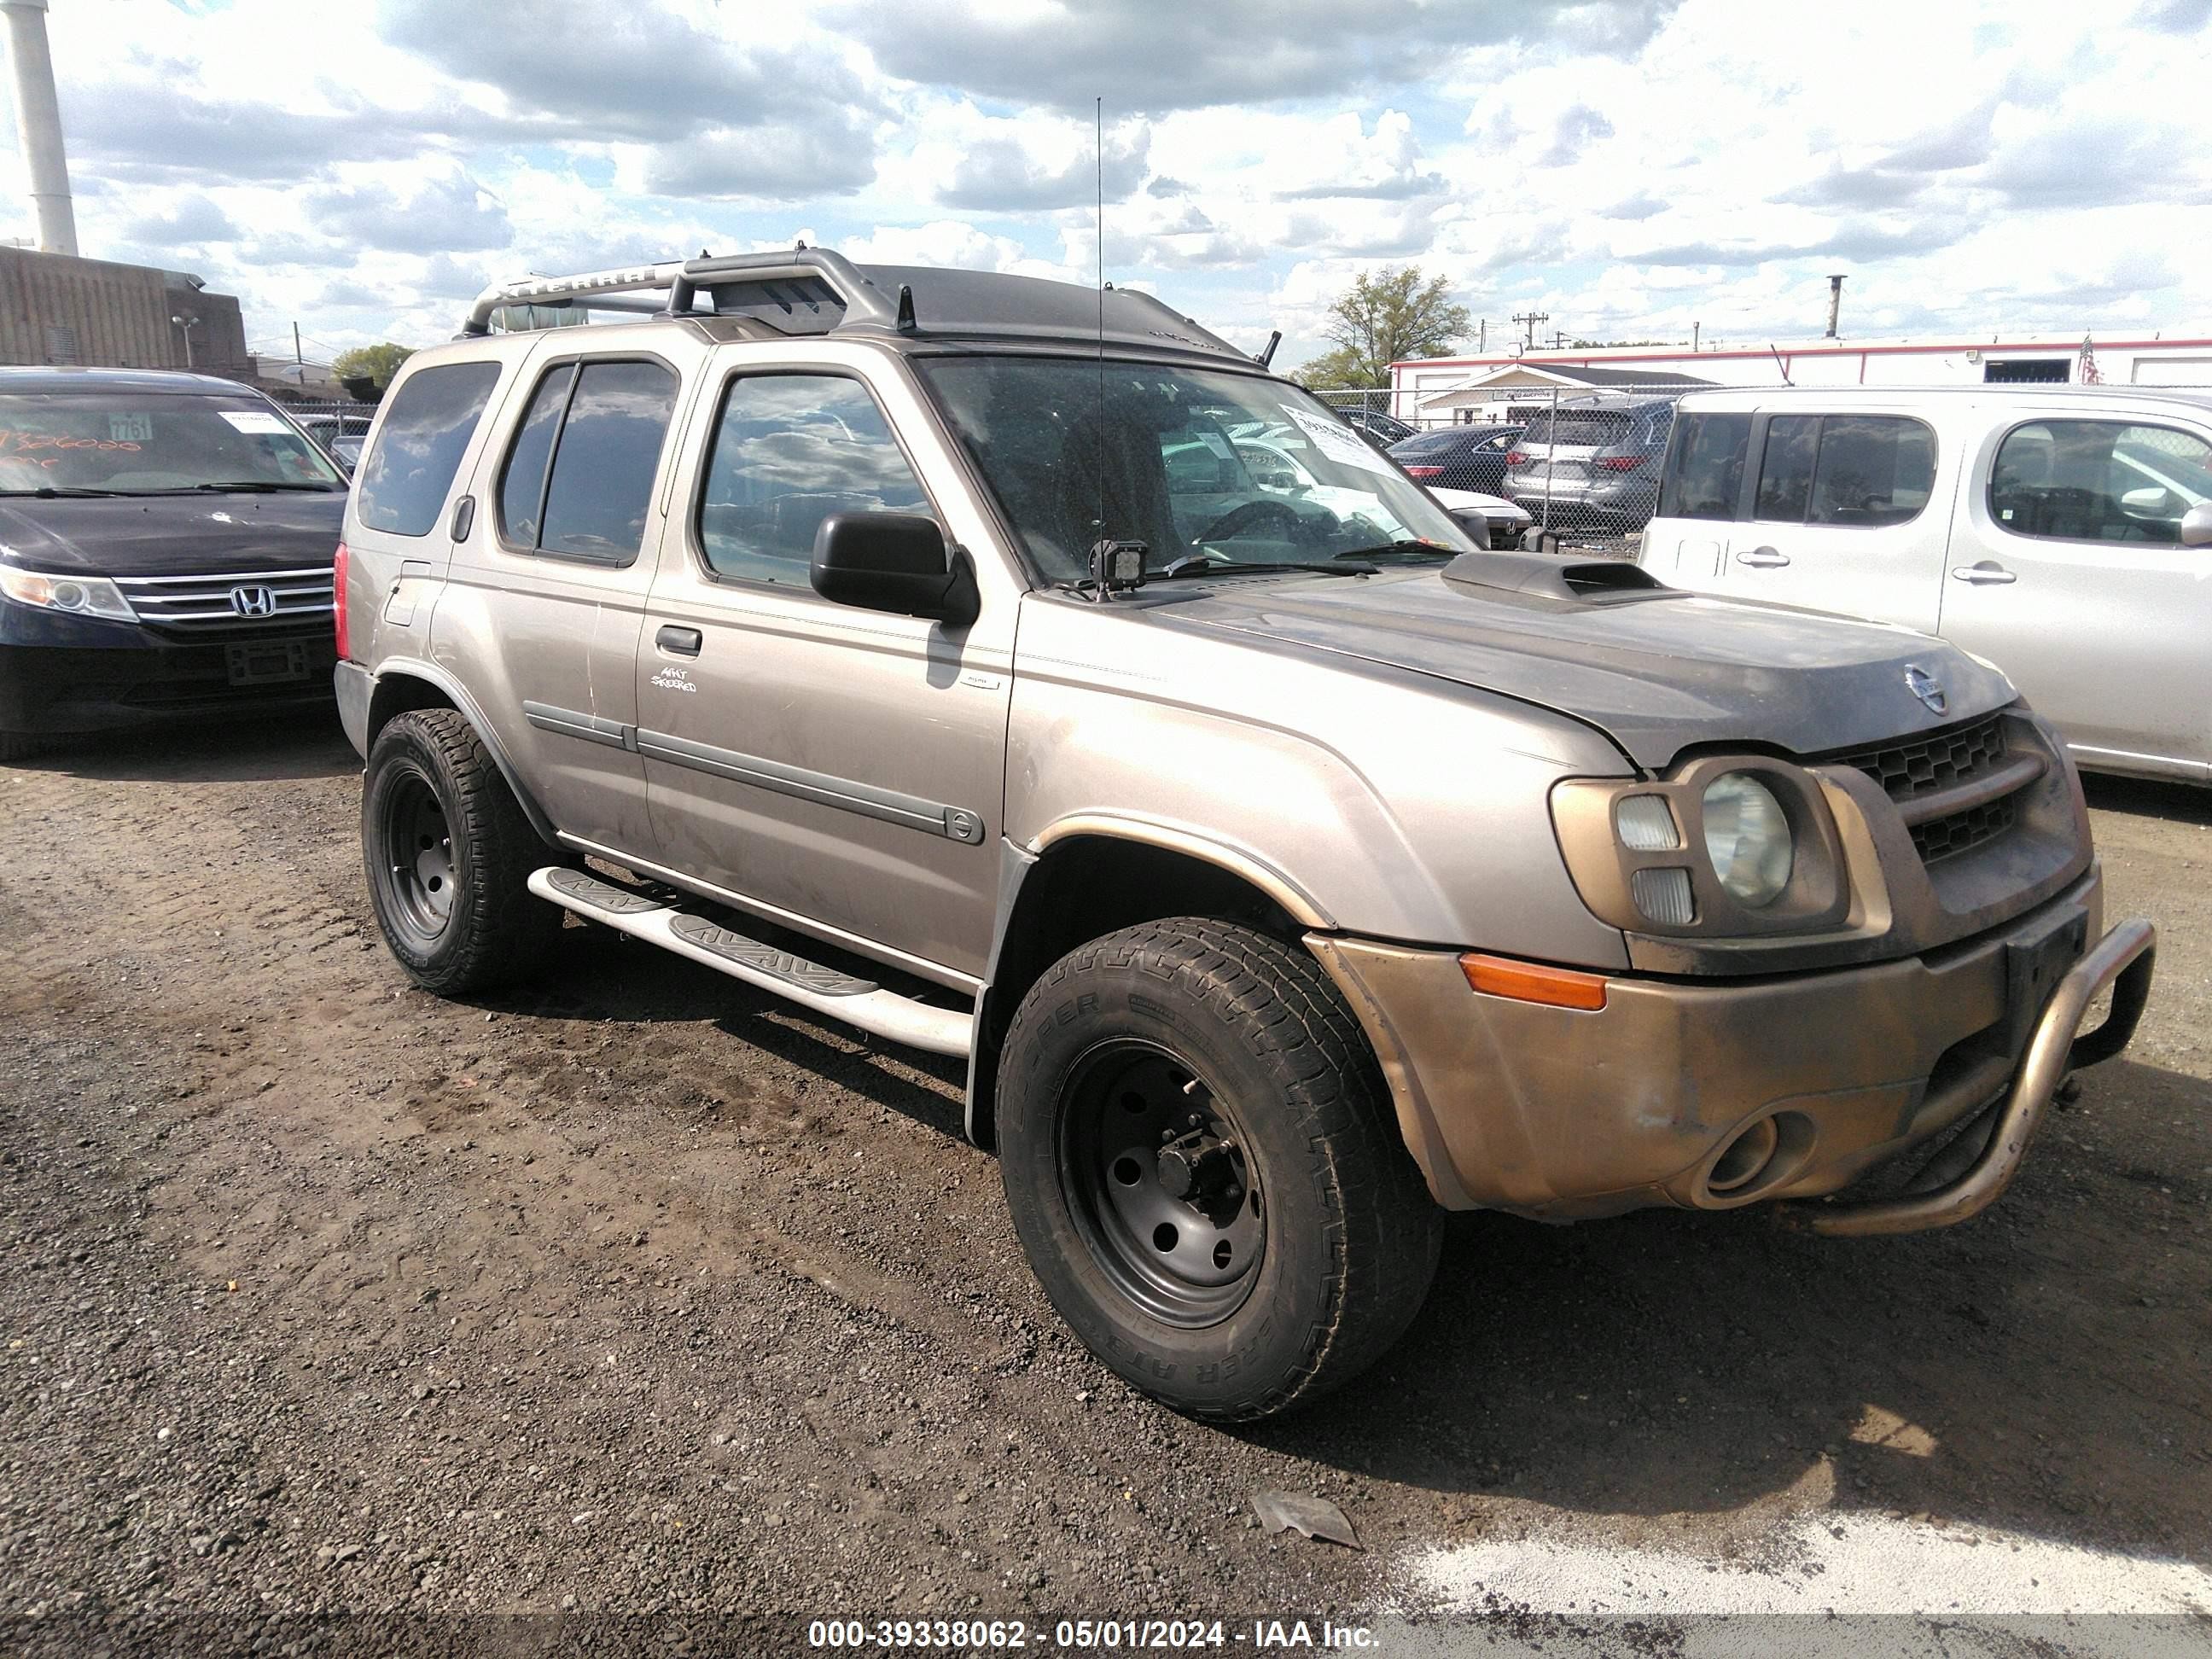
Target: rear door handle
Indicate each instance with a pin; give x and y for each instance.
(1983, 576)
(679, 642)
(1764, 558)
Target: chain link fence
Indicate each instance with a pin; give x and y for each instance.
(1583, 463)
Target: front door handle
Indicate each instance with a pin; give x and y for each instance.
(1985, 574)
(679, 642)
(1764, 558)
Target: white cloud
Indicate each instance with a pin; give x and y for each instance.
(1633, 168)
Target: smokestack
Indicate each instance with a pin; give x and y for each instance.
(39, 125)
(1835, 303)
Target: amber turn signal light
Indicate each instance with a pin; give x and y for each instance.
(1532, 982)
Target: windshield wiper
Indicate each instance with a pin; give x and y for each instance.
(257, 487)
(1340, 567)
(47, 491)
(1404, 548)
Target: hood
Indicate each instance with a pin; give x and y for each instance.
(171, 535)
(1657, 670)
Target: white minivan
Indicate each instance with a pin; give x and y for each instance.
(2062, 533)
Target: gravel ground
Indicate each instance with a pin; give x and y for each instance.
(641, 1299)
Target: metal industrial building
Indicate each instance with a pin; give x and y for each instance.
(58, 308)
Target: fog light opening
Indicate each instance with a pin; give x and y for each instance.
(1745, 1158)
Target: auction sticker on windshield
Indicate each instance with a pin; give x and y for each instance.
(1336, 440)
(137, 428)
(255, 420)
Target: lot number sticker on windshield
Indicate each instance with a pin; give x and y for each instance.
(131, 428)
(256, 420)
(1337, 441)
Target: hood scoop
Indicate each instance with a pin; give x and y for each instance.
(1539, 576)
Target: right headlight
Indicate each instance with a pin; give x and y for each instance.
(1747, 838)
(80, 596)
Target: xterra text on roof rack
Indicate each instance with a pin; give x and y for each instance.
(927, 649)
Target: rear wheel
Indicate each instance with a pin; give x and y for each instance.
(1201, 1165)
(448, 855)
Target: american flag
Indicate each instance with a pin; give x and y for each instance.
(2090, 375)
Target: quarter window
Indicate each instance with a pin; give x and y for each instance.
(2098, 481)
(579, 475)
(406, 476)
(789, 451)
(1705, 474)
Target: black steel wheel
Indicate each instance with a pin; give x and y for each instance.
(1160, 1181)
(419, 846)
(447, 853)
(1204, 1169)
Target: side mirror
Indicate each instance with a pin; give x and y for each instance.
(896, 561)
(2196, 525)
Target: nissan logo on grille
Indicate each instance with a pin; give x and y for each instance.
(1925, 686)
(253, 601)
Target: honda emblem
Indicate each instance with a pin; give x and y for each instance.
(253, 601)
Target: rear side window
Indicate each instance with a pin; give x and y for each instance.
(579, 474)
(789, 451)
(1872, 469)
(406, 476)
(2103, 480)
(1705, 469)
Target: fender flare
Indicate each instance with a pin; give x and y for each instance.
(473, 712)
(1300, 905)
(1017, 859)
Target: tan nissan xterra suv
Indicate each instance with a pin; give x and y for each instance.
(954, 656)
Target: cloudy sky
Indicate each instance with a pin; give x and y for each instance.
(1629, 166)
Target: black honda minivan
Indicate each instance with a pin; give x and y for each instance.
(165, 542)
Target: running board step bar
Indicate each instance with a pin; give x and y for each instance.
(826, 991)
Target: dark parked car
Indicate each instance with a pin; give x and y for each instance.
(1458, 456)
(1383, 428)
(166, 545)
(1592, 465)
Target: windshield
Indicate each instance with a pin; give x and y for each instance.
(143, 443)
(1579, 427)
(1204, 468)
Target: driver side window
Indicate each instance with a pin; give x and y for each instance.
(788, 451)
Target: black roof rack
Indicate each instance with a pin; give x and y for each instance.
(818, 291)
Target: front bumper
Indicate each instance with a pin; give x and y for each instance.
(1709, 1095)
(69, 676)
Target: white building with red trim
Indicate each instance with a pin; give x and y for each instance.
(1438, 391)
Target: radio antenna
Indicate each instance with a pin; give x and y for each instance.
(1099, 171)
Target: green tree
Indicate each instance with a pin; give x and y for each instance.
(1382, 318)
(377, 363)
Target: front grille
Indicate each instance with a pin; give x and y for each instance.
(1939, 838)
(1504, 538)
(199, 606)
(1921, 766)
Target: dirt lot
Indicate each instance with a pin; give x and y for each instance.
(641, 1293)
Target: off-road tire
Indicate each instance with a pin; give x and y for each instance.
(495, 929)
(1352, 1234)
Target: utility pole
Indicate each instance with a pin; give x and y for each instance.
(1528, 319)
(298, 360)
(1696, 329)
(1558, 339)
(1482, 336)
(1835, 303)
